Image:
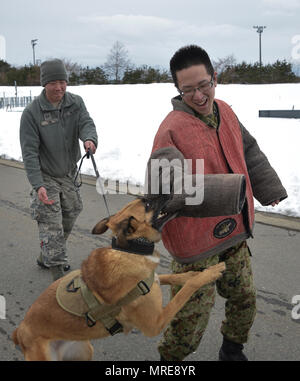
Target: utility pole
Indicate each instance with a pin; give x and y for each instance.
(33, 43)
(259, 30)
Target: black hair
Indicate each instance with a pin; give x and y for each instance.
(188, 56)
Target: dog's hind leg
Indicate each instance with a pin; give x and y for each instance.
(33, 348)
(61, 350)
(38, 350)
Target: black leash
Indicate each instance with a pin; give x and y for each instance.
(78, 173)
(98, 179)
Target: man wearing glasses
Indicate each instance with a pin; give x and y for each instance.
(202, 127)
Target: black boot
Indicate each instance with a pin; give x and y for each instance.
(40, 262)
(231, 351)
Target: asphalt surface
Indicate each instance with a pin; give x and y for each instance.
(275, 335)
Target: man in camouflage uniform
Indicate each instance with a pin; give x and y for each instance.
(49, 132)
(202, 127)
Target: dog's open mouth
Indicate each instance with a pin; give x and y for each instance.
(160, 218)
(159, 222)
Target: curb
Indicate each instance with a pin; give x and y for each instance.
(272, 219)
(278, 220)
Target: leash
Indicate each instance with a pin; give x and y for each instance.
(99, 186)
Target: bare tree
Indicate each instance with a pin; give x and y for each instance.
(117, 61)
(72, 67)
(223, 63)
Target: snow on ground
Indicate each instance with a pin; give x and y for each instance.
(128, 116)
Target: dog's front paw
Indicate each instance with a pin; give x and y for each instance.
(207, 276)
(216, 271)
(185, 277)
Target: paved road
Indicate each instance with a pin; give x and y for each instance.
(276, 262)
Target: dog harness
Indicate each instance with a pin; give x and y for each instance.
(75, 297)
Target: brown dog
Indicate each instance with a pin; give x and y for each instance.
(49, 332)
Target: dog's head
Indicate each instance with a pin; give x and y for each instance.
(140, 218)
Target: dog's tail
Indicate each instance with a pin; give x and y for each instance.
(17, 338)
(14, 337)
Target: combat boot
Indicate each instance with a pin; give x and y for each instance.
(41, 264)
(231, 351)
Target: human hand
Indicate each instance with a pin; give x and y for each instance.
(89, 145)
(43, 197)
(275, 203)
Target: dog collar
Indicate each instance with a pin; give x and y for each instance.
(139, 246)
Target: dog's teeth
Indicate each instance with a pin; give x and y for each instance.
(161, 215)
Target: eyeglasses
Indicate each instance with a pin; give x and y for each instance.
(191, 92)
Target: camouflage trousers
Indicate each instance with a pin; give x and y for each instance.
(184, 333)
(56, 221)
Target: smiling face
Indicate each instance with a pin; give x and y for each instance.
(193, 77)
(55, 90)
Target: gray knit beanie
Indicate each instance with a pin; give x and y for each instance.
(53, 70)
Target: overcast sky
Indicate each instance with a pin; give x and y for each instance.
(84, 31)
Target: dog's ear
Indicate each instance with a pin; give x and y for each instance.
(101, 226)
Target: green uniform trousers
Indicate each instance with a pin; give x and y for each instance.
(184, 333)
(56, 221)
